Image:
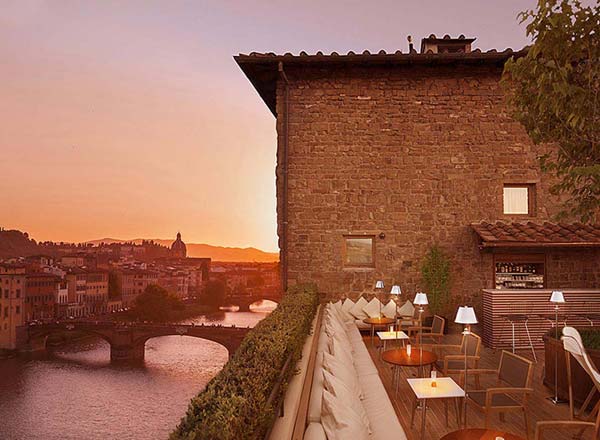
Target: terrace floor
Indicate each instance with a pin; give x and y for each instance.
(539, 407)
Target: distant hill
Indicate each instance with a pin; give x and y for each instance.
(216, 253)
(15, 243)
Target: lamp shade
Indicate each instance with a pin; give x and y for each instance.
(421, 299)
(379, 284)
(557, 297)
(465, 315)
(396, 290)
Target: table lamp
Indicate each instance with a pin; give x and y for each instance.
(421, 301)
(396, 291)
(556, 298)
(379, 285)
(466, 316)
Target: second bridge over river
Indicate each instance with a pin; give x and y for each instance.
(127, 340)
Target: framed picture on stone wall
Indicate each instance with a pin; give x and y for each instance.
(359, 250)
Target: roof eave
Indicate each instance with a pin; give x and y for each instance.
(528, 244)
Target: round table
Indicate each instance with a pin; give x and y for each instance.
(375, 322)
(480, 434)
(399, 357)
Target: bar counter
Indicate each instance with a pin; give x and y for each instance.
(535, 304)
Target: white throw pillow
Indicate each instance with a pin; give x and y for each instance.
(389, 310)
(341, 350)
(334, 332)
(373, 308)
(341, 391)
(406, 309)
(343, 371)
(347, 305)
(339, 421)
(357, 309)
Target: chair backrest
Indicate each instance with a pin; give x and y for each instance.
(437, 326)
(515, 370)
(473, 344)
(573, 344)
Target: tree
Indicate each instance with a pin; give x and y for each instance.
(554, 91)
(435, 272)
(156, 304)
(214, 293)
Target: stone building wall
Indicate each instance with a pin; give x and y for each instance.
(417, 153)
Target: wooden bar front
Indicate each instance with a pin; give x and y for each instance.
(497, 331)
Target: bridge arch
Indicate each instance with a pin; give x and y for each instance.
(222, 341)
(127, 341)
(37, 339)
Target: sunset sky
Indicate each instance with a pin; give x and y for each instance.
(130, 119)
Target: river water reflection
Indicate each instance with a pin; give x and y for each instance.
(75, 393)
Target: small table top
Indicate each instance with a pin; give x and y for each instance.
(400, 357)
(445, 388)
(379, 321)
(387, 336)
(480, 434)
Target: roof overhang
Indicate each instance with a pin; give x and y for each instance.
(529, 235)
(262, 68)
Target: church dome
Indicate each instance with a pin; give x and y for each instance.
(178, 248)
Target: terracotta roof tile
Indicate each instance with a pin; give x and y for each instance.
(532, 234)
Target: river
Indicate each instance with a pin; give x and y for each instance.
(75, 393)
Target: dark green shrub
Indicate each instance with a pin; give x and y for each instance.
(589, 336)
(235, 403)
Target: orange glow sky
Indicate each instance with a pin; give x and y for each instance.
(130, 119)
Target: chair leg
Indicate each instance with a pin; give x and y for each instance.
(530, 343)
(412, 416)
(586, 402)
(487, 419)
(502, 417)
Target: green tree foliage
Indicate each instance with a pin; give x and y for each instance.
(240, 402)
(435, 272)
(156, 304)
(554, 91)
(214, 293)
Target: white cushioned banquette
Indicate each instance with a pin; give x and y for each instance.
(383, 423)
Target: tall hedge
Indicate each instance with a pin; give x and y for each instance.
(235, 403)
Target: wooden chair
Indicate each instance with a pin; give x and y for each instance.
(451, 358)
(513, 376)
(573, 346)
(406, 315)
(429, 334)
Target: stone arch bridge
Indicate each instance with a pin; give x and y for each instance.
(127, 340)
(245, 301)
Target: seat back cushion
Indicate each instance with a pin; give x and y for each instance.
(406, 309)
(389, 310)
(339, 390)
(373, 309)
(357, 309)
(343, 371)
(339, 421)
(316, 391)
(314, 431)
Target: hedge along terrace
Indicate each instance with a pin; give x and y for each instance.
(236, 403)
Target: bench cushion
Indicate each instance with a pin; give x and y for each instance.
(314, 431)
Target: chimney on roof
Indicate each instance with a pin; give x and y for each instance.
(447, 44)
(410, 44)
